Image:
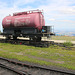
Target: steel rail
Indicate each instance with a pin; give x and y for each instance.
(30, 66)
(14, 70)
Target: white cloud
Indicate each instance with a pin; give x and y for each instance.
(69, 21)
(68, 10)
(18, 3)
(52, 19)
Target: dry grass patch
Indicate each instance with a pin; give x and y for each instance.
(54, 55)
(67, 38)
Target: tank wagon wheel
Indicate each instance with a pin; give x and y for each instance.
(14, 37)
(8, 37)
(35, 39)
(38, 39)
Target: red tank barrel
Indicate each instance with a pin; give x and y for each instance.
(25, 19)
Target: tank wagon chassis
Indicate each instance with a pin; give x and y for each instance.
(30, 32)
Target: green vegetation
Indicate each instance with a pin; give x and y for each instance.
(68, 44)
(54, 55)
(67, 38)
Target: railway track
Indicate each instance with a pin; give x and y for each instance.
(43, 43)
(20, 68)
(27, 42)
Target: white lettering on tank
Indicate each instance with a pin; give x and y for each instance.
(8, 20)
(16, 23)
(22, 17)
(27, 21)
(21, 22)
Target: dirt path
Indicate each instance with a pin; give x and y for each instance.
(44, 39)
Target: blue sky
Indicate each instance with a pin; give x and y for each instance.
(57, 13)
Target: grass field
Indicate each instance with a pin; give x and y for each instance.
(67, 38)
(54, 55)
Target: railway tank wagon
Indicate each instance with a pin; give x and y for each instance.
(26, 24)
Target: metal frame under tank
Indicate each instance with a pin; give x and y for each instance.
(31, 32)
